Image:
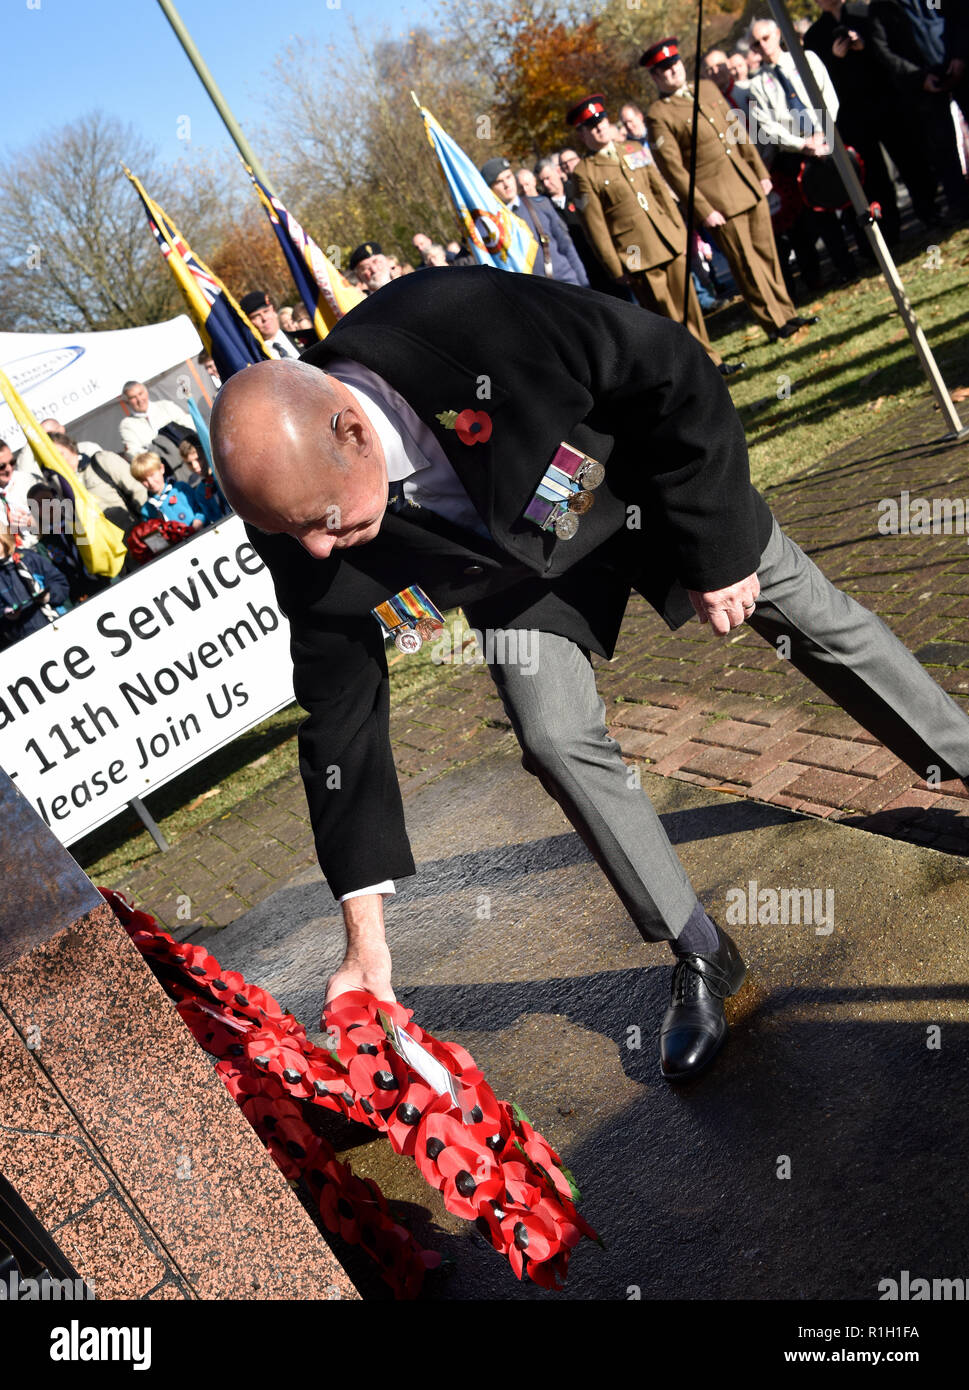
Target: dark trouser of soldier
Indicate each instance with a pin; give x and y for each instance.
(748, 243)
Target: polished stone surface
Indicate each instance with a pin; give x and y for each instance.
(511, 942)
(113, 1125)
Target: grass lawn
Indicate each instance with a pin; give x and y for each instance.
(798, 399)
(804, 396)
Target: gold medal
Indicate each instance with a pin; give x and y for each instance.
(580, 502)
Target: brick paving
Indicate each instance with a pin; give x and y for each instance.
(725, 713)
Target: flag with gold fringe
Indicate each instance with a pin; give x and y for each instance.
(225, 330)
(497, 236)
(323, 289)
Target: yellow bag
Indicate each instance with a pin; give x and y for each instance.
(100, 543)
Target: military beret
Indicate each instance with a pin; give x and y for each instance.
(662, 54)
(256, 299)
(363, 252)
(490, 171)
(591, 108)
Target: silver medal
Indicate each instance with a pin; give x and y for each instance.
(566, 524)
(408, 641)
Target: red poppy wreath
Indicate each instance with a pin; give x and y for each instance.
(378, 1068)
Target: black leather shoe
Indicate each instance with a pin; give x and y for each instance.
(694, 1027)
(803, 321)
(730, 368)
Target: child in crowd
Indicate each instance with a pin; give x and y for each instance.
(208, 494)
(171, 501)
(33, 592)
(57, 542)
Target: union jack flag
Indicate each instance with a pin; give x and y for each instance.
(225, 329)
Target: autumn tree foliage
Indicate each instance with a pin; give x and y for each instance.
(548, 68)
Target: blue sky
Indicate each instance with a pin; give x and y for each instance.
(65, 57)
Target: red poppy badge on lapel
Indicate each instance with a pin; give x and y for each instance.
(472, 426)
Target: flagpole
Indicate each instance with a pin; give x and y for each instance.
(208, 81)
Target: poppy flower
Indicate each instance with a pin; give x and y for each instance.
(470, 1179)
(529, 1234)
(403, 1124)
(473, 426)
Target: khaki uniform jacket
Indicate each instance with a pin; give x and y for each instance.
(728, 166)
(629, 214)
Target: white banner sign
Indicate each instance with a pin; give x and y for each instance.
(140, 682)
(70, 375)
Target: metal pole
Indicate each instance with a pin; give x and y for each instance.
(221, 105)
(143, 814)
(691, 195)
(866, 219)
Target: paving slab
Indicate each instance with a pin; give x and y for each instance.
(823, 1152)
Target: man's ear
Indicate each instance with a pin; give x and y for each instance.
(353, 430)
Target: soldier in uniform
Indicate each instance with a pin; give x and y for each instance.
(732, 184)
(633, 222)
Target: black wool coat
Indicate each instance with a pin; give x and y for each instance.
(548, 363)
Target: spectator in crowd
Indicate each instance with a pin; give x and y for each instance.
(869, 114)
(731, 184)
(147, 417)
(717, 69)
(801, 26)
(422, 242)
(371, 266)
(751, 55)
(635, 124)
(632, 221)
(908, 40)
(169, 500)
(527, 184)
(15, 512)
(207, 362)
(568, 161)
(553, 185)
(407, 268)
(258, 308)
(740, 72)
(285, 314)
(302, 318)
(436, 255)
(33, 592)
(206, 491)
(108, 479)
(58, 543)
(459, 254)
(790, 131)
(557, 256)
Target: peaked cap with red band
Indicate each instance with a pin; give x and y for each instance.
(588, 109)
(661, 54)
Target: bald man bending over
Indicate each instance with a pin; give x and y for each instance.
(420, 444)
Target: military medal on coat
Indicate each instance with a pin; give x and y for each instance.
(565, 492)
(410, 618)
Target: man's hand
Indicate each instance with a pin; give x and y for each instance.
(840, 46)
(766, 185)
(366, 964)
(716, 219)
(726, 608)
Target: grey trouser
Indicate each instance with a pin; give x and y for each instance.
(849, 653)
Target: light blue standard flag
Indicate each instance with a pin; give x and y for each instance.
(497, 236)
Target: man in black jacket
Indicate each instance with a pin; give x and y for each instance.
(461, 400)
